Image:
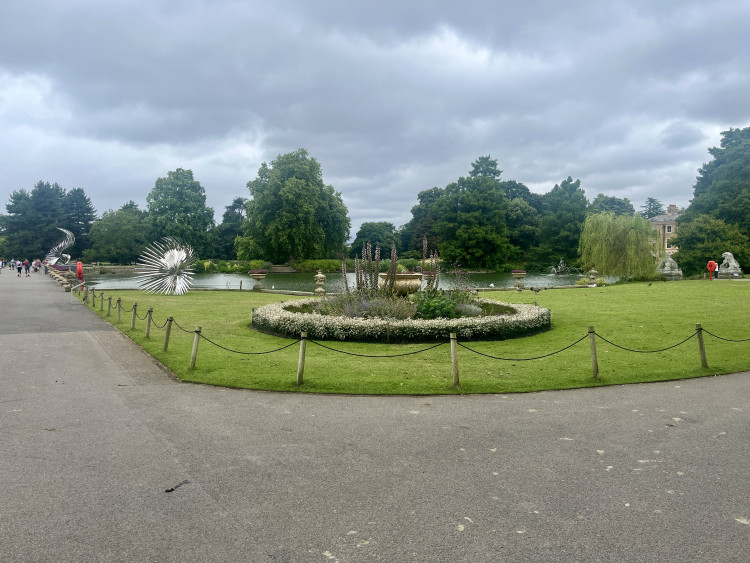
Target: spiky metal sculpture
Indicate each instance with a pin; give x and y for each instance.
(166, 267)
(56, 256)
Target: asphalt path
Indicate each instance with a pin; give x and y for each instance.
(104, 456)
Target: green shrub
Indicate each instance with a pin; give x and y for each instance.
(312, 266)
(435, 306)
(411, 264)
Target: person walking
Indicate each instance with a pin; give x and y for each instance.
(712, 267)
(19, 267)
(26, 267)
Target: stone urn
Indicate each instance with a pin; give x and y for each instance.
(258, 276)
(519, 275)
(404, 284)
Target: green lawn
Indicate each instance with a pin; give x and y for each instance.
(638, 316)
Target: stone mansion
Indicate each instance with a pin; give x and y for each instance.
(666, 225)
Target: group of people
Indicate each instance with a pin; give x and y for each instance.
(20, 266)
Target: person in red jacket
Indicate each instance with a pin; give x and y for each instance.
(712, 266)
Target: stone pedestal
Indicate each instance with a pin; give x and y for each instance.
(258, 277)
(319, 281)
(519, 275)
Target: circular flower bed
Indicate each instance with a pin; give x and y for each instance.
(279, 318)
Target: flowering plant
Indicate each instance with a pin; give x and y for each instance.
(293, 317)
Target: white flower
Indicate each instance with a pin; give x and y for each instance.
(527, 319)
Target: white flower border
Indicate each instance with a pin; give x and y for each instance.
(275, 318)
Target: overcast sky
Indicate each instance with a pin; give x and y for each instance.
(391, 97)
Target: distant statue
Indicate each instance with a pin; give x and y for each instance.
(669, 269)
(166, 266)
(563, 269)
(55, 256)
(729, 268)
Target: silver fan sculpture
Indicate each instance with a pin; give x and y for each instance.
(56, 256)
(166, 267)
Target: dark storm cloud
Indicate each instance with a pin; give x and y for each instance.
(391, 97)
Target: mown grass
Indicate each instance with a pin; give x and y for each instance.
(637, 316)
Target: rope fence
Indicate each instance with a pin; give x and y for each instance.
(453, 341)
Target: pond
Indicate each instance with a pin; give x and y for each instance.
(305, 282)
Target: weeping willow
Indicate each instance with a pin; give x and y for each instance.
(618, 245)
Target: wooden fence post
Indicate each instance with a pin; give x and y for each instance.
(168, 332)
(592, 344)
(194, 353)
(148, 321)
(454, 360)
(119, 309)
(101, 302)
(301, 363)
(701, 345)
(135, 315)
(85, 294)
(109, 306)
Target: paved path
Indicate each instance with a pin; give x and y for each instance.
(92, 434)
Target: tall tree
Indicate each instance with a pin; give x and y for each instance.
(485, 167)
(32, 220)
(705, 238)
(423, 221)
(652, 208)
(619, 245)
(515, 190)
(618, 206)
(293, 214)
(380, 233)
(118, 236)
(471, 221)
(80, 216)
(523, 227)
(722, 189)
(562, 219)
(177, 208)
(229, 229)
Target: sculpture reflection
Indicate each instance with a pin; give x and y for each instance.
(166, 267)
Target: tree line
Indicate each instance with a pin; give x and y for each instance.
(478, 221)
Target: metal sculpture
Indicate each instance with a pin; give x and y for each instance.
(166, 267)
(56, 256)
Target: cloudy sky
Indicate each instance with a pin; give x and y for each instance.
(391, 97)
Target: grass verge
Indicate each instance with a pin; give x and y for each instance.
(635, 316)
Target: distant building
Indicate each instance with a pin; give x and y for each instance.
(666, 226)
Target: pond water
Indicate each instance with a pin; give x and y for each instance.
(305, 282)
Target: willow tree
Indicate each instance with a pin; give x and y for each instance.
(619, 245)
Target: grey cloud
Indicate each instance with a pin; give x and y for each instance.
(392, 98)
